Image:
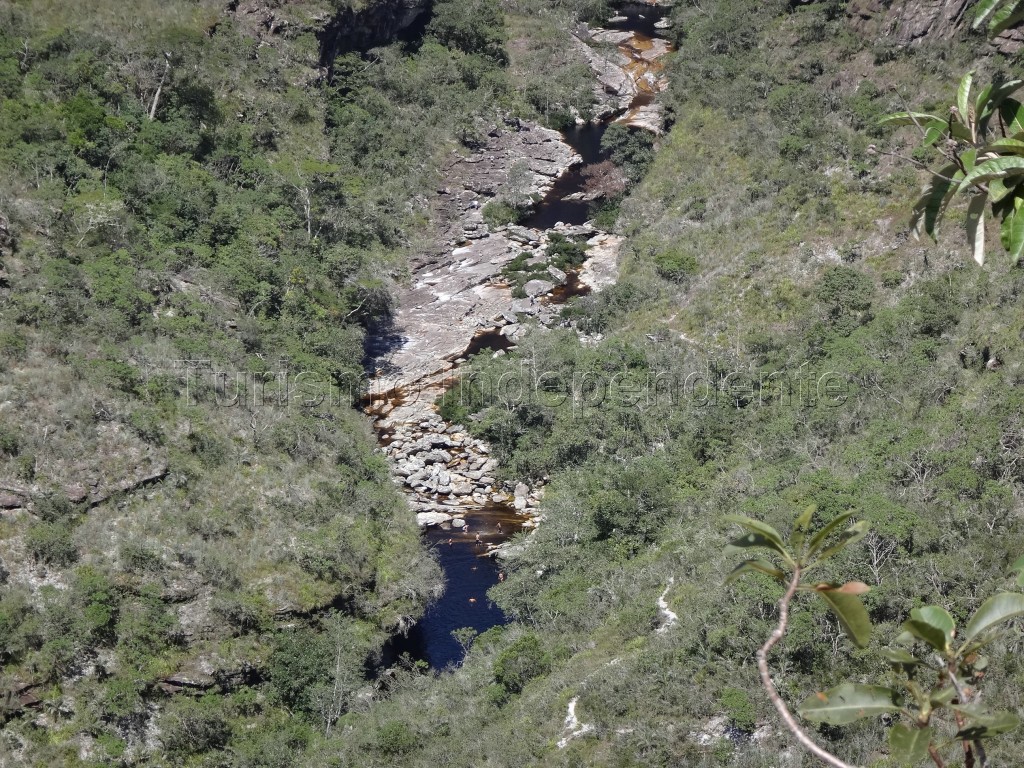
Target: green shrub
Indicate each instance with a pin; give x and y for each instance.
(565, 253)
(396, 738)
(52, 543)
(675, 265)
(189, 727)
(524, 660)
(472, 27)
(10, 442)
(498, 213)
(607, 215)
(738, 707)
(13, 346)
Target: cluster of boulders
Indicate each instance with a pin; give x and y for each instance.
(448, 472)
(625, 68)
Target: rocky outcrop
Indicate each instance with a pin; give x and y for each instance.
(455, 289)
(629, 74)
(447, 473)
(458, 301)
(614, 88)
(908, 22)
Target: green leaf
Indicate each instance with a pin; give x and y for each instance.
(909, 745)
(818, 539)
(981, 100)
(998, 189)
(983, 11)
(976, 225)
(1006, 17)
(1011, 112)
(849, 702)
(990, 105)
(1015, 236)
(933, 133)
(851, 535)
(900, 658)
(920, 119)
(998, 95)
(995, 610)
(933, 625)
(1005, 147)
(761, 535)
(983, 725)
(943, 696)
(755, 565)
(996, 168)
(905, 638)
(851, 614)
(963, 97)
(801, 527)
(934, 198)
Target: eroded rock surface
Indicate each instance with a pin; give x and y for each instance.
(456, 294)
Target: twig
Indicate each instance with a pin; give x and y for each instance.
(773, 694)
(964, 698)
(933, 753)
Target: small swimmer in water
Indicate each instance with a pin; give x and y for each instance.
(499, 526)
(478, 539)
(501, 575)
(449, 542)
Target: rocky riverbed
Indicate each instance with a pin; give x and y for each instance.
(458, 302)
(628, 65)
(457, 294)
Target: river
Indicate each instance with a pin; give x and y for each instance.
(468, 570)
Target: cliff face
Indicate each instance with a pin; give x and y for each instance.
(911, 22)
(908, 22)
(380, 22)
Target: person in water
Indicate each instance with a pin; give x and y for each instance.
(449, 542)
(478, 539)
(499, 526)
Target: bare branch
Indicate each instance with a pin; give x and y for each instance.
(769, 685)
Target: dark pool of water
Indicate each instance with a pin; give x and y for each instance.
(488, 341)
(554, 208)
(570, 288)
(640, 17)
(469, 573)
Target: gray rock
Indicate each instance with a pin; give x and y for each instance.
(559, 276)
(432, 518)
(524, 307)
(535, 288)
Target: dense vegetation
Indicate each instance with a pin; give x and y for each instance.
(187, 184)
(193, 213)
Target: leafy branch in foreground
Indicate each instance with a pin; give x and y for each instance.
(998, 15)
(981, 143)
(935, 671)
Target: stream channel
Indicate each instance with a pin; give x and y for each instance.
(468, 571)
